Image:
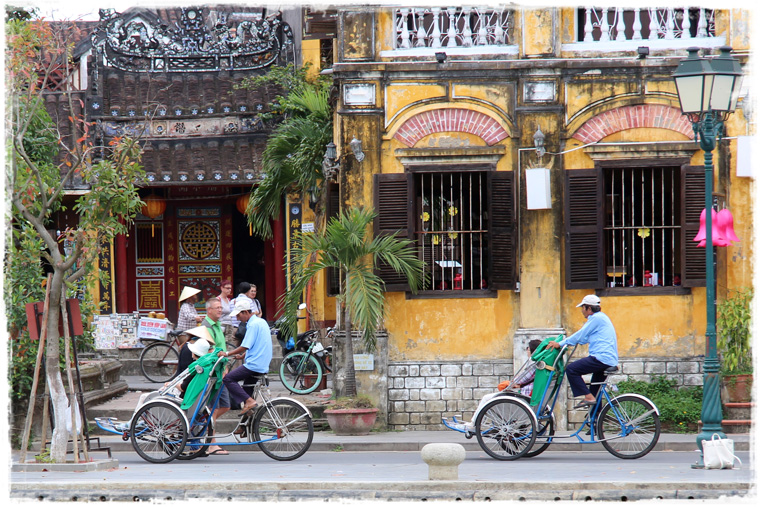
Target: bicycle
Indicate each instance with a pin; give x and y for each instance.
(160, 431)
(159, 360)
(508, 428)
(302, 370)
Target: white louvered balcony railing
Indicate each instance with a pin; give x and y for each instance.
(611, 28)
(470, 29)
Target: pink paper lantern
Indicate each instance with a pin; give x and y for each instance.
(726, 224)
(701, 234)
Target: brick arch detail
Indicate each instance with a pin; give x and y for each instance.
(629, 117)
(450, 120)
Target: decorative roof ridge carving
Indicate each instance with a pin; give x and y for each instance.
(139, 41)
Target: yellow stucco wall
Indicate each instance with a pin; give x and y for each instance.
(483, 328)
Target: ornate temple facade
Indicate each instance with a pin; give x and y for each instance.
(171, 77)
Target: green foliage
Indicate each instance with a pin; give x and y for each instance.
(347, 244)
(734, 335)
(678, 407)
(358, 401)
(292, 159)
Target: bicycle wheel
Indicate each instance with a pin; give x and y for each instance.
(628, 427)
(283, 429)
(199, 437)
(302, 364)
(158, 432)
(327, 359)
(506, 429)
(159, 361)
(543, 437)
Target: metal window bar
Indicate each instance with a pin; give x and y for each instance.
(451, 229)
(641, 233)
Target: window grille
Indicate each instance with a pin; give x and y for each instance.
(642, 226)
(149, 242)
(618, 23)
(452, 229)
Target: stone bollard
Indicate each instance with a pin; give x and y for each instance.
(443, 461)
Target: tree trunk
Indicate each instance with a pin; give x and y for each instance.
(58, 396)
(344, 380)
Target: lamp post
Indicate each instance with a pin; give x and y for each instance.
(708, 90)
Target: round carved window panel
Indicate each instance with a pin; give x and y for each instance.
(199, 240)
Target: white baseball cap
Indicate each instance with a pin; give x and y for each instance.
(590, 300)
(241, 305)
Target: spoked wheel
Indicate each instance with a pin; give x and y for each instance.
(284, 430)
(629, 427)
(300, 372)
(158, 362)
(199, 437)
(543, 436)
(327, 358)
(506, 429)
(158, 432)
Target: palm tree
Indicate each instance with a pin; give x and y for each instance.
(346, 244)
(292, 159)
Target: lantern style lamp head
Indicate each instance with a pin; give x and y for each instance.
(356, 148)
(708, 85)
(538, 142)
(330, 164)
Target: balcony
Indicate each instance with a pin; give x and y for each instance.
(622, 29)
(455, 30)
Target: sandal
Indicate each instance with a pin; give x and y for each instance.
(584, 404)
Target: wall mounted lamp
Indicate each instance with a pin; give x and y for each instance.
(331, 161)
(538, 142)
(440, 57)
(643, 51)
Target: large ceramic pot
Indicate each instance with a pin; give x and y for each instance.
(739, 388)
(351, 421)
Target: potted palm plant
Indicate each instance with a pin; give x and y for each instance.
(346, 244)
(734, 344)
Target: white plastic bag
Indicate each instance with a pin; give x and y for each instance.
(78, 418)
(718, 453)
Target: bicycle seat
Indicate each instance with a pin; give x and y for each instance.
(172, 332)
(611, 370)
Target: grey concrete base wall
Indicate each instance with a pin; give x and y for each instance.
(420, 393)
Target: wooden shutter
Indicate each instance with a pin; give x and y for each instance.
(584, 256)
(333, 208)
(692, 204)
(502, 230)
(395, 207)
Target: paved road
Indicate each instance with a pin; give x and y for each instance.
(391, 476)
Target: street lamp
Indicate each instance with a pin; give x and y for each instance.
(708, 90)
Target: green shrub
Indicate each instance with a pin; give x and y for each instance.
(679, 408)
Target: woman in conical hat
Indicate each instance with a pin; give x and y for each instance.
(188, 316)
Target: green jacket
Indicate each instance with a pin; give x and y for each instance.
(548, 356)
(199, 380)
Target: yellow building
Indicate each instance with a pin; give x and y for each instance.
(535, 155)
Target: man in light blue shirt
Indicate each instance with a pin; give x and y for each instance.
(600, 334)
(257, 346)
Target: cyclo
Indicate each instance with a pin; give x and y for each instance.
(512, 425)
(165, 427)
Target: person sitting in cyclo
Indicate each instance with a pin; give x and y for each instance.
(599, 333)
(522, 381)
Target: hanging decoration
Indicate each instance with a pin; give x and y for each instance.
(722, 229)
(153, 208)
(242, 206)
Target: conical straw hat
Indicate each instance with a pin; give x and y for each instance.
(187, 292)
(201, 332)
